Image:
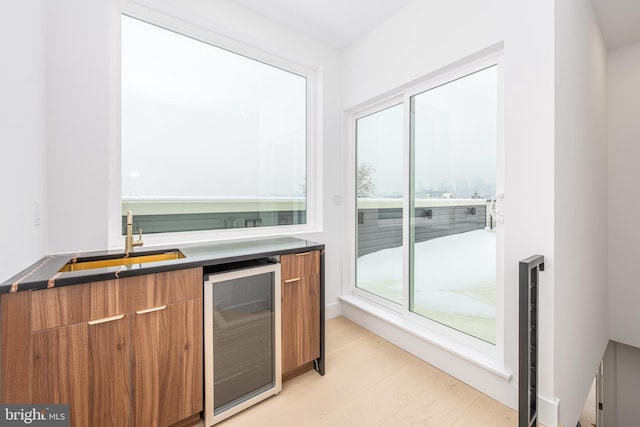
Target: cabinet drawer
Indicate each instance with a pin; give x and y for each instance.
(152, 290)
(299, 265)
(67, 305)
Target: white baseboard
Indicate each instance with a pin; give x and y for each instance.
(549, 411)
(332, 310)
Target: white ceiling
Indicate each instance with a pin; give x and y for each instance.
(619, 21)
(339, 23)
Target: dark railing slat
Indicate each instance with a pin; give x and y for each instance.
(528, 340)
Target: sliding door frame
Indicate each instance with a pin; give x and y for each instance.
(403, 95)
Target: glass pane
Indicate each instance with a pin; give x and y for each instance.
(453, 251)
(379, 139)
(210, 139)
(243, 323)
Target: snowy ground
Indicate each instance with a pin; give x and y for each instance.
(455, 280)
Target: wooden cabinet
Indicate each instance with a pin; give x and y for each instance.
(167, 364)
(300, 275)
(124, 352)
(85, 365)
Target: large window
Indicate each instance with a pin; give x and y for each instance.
(210, 139)
(438, 260)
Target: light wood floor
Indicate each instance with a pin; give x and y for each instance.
(371, 382)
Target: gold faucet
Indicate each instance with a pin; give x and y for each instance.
(129, 243)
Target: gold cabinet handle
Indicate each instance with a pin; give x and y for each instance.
(105, 319)
(303, 253)
(149, 310)
(292, 280)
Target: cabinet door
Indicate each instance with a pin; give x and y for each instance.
(300, 321)
(302, 264)
(15, 348)
(85, 365)
(167, 363)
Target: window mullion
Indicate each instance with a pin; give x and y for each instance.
(407, 207)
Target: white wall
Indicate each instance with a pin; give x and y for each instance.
(581, 294)
(428, 35)
(529, 177)
(621, 377)
(410, 45)
(22, 134)
(80, 93)
(623, 77)
(78, 124)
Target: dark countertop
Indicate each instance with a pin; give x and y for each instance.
(45, 272)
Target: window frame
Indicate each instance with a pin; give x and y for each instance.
(209, 33)
(434, 331)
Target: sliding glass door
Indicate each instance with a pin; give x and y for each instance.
(453, 251)
(426, 235)
(379, 192)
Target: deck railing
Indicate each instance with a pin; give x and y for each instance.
(157, 215)
(379, 221)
